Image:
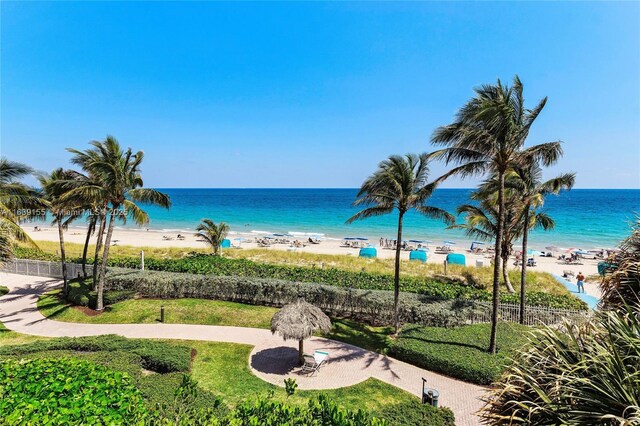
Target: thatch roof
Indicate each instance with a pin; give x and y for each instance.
(298, 320)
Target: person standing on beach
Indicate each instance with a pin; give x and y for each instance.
(381, 242)
(580, 279)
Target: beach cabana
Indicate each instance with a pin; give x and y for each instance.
(476, 245)
(418, 255)
(226, 243)
(456, 259)
(298, 321)
(369, 252)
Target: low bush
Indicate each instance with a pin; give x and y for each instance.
(414, 413)
(320, 411)
(79, 293)
(156, 356)
(460, 352)
(3, 290)
(434, 287)
(372, 306)
(66, 391)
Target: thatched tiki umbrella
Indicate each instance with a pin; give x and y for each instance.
(297, 321)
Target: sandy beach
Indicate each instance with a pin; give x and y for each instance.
(152, 238)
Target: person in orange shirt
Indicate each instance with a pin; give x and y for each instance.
(580, 279)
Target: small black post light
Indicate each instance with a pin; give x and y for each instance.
(162, 313)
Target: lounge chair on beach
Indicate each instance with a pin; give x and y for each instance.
(312, 363)
(167, 238)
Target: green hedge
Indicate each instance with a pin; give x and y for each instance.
(66, 391)
(459, 352)
(414, 413)
(156, 356)
(3, 290)
(203, 264)
(80, 293)
(371, 306)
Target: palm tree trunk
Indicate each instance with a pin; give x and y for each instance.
(396, 278)
(105, 258)
(90, 229)
(96, 258)
(523, 272)
(65, 287)
(505, 272)
(496, 266)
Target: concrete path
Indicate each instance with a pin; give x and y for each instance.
(271, 359)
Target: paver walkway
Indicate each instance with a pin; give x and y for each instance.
(271, 359)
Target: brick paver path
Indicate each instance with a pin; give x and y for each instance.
(271, 359)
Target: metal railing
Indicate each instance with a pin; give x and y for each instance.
(533, 315)
(42, 268)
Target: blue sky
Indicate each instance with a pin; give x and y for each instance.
(311, 94)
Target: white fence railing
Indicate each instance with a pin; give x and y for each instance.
(533, 315)
(42, 268)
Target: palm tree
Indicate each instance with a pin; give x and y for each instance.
(481, 222)
(527, 181)
(400, 183)
(212, 234)
(53, 188)
(488, 136)
(17, 202)
(117, 186)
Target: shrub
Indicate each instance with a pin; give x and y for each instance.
(79, 293)
(156, 356)
(621, 284)
(459, 352)
(586, 374)
(414, 413)
(436, 288)
(320, 411)
(373, 306)
(66, 391)
(3, 290)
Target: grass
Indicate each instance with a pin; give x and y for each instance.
(536, 281)
(460, 352)
(8, 337)
(147, 311)
(223, 368)
(207, 312)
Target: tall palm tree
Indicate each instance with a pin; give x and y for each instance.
(118, 186)
(527, 182)
(53, 187)
(17, 202)
(488, 136)
(212, 234)
(400, 183)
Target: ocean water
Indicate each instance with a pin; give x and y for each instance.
(585, 218)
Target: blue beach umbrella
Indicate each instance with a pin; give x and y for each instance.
(581, 252)
(362, 239)
(448, 243)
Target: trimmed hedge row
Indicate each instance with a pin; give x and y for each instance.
(372, 306)
(156, 356)
(438, 289)
(460, 352)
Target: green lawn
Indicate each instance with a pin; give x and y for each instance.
(223, 368)
(460, 352)
(208, 312)
(146, 311)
